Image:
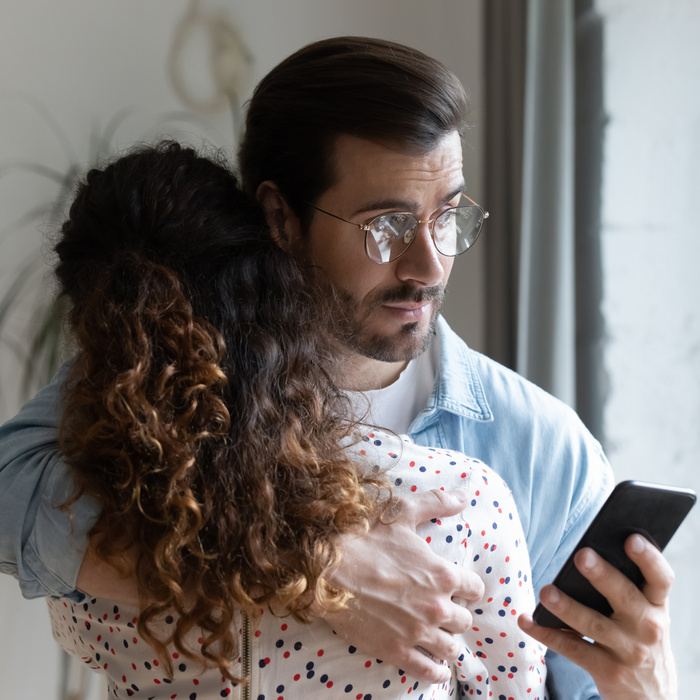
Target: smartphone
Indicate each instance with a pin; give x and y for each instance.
(651, 510)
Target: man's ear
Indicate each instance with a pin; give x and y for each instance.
(283, 222)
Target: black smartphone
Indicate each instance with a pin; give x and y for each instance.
(651, 510)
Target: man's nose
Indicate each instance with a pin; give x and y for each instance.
(421, 264)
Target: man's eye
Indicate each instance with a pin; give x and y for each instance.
(447, 219)
(387, 227)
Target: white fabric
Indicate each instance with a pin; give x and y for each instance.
(396, 406)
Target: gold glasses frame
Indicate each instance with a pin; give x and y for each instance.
(368, 226)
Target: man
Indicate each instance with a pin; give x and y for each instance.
(353, 148)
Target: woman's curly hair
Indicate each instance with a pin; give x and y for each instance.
(199, 409)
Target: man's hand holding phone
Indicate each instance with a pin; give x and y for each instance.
(630, 657)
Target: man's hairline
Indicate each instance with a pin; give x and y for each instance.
(402, 147)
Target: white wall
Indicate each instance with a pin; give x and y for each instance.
(85, 61)
(651, 248)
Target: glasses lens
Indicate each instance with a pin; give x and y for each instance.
(457, 229)
(389, 236)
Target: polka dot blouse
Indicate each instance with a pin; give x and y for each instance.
(287, 659)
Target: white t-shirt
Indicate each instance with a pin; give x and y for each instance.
(396, 406)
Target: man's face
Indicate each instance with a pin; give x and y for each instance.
(390, 309)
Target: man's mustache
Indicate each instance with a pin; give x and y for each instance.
(408, 293)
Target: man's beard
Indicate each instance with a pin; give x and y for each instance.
(410, 342)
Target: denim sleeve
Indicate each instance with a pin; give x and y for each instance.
(590, 484)
(41, 545)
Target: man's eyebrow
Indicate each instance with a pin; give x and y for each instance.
(402, 204)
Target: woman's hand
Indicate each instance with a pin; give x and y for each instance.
(631, 657)
(403, 591)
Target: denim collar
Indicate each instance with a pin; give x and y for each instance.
(458, 388)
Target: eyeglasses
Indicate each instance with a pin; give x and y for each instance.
(388, 236)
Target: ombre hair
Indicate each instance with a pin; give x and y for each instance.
(200, 410)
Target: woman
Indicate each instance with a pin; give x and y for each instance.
(200, 412)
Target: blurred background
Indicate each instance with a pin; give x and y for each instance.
(584, 146)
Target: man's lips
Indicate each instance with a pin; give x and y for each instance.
(412, 310)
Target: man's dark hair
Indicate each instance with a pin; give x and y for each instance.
(370, 88)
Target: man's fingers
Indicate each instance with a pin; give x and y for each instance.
(427, 505)
(584, 620)
(657, 572)
(441, 646)
(615, 587)
(565, 642)
(420, 666)
(470, 588)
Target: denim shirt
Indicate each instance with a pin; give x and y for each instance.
(556, 470)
